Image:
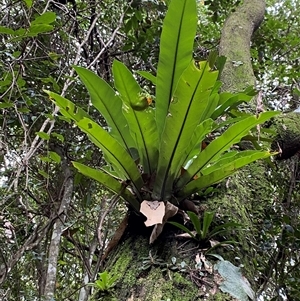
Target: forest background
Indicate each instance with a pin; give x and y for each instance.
(41, 41)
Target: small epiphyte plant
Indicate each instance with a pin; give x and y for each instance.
(201, 233)
(105, 281)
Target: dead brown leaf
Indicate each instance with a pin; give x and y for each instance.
(154, 211)
(207, 265)
(170, 210)
(213, 242)
(197, 259)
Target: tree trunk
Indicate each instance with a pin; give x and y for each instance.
(57, 231)
(162, 271)
(235, 45)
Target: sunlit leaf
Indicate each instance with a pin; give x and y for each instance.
(176, 49)
(43, 135)
(141, 123)
(46, 18)
(54, 156)
(214, 150)
(191, 99)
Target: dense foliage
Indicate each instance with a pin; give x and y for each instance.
(40, 42)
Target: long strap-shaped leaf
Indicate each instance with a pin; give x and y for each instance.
(105, 100)
(219, 174)
(114, 151)
(111, 148)
(227, 101)
(227, 158)
(176, 48)
(197, 138)
(213, 151)
(141, 123)
(147, 75)
(109, 182)
(190, 99)
(67, 107)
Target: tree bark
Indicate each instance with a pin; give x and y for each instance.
(58, 228)
(162, 271)
(235, 45)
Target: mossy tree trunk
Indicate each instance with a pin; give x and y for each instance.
(149, 272)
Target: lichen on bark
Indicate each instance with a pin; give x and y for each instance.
(144, 270)
(287, 140)
(235, 45)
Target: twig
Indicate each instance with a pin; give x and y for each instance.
(113, 203)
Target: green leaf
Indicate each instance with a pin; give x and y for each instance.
(183, 228)
(67, 107)
(227, 159)
(104, 276)
(6, 105)
(109, 104)
(6, 82)
(113, 150)
(109, 182)
(105, 281)
(197, 138)
(20, 32)
(176, 49)
(220, 63)
(228, 101)
(24, 110)
(28, 3)
(58, 136)
(7, 30)
(34, 30)
(62, 262)
(212, 58)
(100, 285)
(191, 97)
(195, 221)
(141, 123)
(207, 219)
(112, 280)
(55, 157)
(230, 137)
(45, 159)
(222, 228)
(110, 171)
(148, 75)
(43, 135)
(43, 173)
(46, 18)
(221, 173)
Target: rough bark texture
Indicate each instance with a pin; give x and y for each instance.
(235, 45)
(288, 137)
(243, 199)
(57, 231)
(147, 273)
